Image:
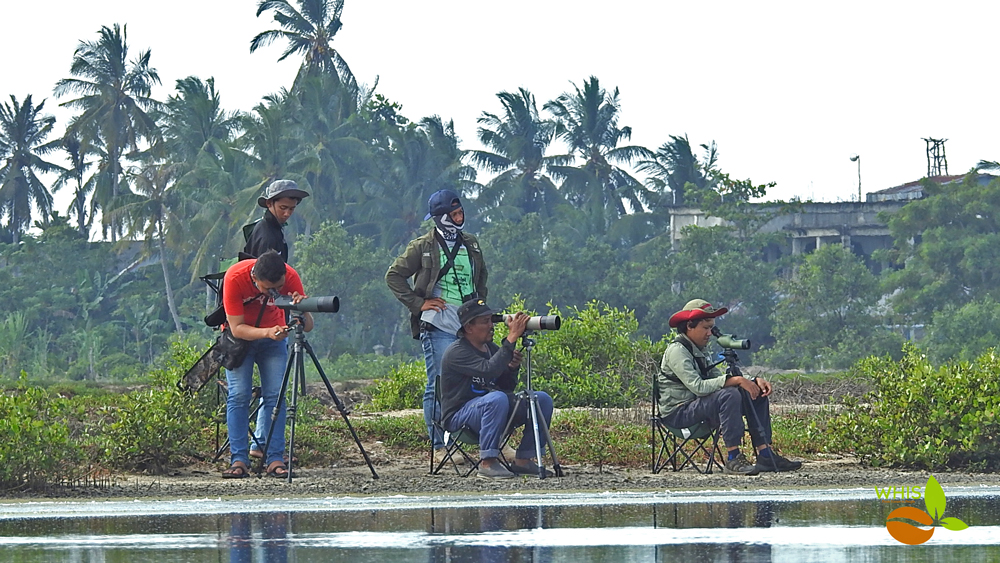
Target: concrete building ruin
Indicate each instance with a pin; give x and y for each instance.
(852, 224)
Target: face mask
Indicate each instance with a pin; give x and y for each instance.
(448, 230)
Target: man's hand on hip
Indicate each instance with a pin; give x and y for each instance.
(435, 303)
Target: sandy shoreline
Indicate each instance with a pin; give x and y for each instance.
(410, 477)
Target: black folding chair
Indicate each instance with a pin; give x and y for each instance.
(220, 419)
(680, 447)
(462, 442)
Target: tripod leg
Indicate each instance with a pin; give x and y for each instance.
(533, 415)
(277, 408)
(300, 377)
(508, 429)
(556, 468)
(340, 407)
(751, 412)
(541, 429)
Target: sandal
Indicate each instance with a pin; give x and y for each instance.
(277, 469)
(238, 470)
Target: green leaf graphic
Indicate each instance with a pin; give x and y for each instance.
(934, 500)
(953, 524)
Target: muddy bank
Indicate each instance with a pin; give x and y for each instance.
(410, 477)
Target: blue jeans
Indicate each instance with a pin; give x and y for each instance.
(434, 342)
(487, 416)
(270, 357)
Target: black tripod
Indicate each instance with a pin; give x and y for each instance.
(296, 359)
(538, 424)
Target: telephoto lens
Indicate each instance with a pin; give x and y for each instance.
(542, 322)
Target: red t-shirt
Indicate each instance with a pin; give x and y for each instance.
(241, 297)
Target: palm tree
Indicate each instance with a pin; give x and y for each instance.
(114, 99)
(309, 30)
(213, 177)
(324, 134)
(674, 166)
(153, 213)
(518, 140)
(226, 196)
(589, 125)
(79, 164)
(991, 165)
(23, 129)
(193, 119)
(417, 161)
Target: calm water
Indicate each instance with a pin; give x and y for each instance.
(792, 526)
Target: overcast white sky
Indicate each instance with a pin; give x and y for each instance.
(788, 90)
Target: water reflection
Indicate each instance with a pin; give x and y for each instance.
(514, 528)
(446, 523)
(732, 515)
(273, 544)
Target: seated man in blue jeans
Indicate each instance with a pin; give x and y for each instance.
(694, 391)
(477, 380)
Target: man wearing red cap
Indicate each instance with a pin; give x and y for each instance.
(693, 391)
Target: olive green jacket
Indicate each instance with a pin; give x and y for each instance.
(422, 261)
(677, 361)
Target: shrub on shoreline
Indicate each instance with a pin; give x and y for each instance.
(921, 416)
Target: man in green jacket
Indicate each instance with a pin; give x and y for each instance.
(446, 267)
(692, 391)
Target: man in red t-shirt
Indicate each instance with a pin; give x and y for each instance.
(251, 315)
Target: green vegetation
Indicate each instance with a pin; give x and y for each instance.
(829, 312)
(39, 445)
(153, 427)
(402, 388)
(926, 416)
(595, 359)
(169, 184)
(916, 415)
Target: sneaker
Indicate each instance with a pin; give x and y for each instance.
(530, 468)
(776, 463)
(495, 471)
(740, 466)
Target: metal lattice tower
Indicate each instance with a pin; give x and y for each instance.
(937, 162)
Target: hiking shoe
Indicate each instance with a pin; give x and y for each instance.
(495, 471)
(740, 466)
(531, 468)
(776, 463)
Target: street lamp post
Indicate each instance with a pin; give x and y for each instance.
(857, 158)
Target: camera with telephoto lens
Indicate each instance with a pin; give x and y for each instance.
(730, 340)
(542, 322)
(325, 304)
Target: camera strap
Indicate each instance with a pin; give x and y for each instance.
(449, 265)
(449, 253)
(701, 362)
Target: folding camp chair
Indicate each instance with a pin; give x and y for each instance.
(460, 442)
(670, 445)
(255, 405)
